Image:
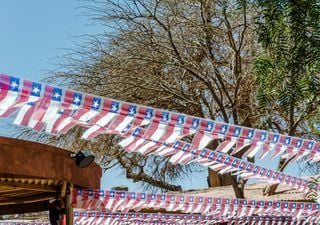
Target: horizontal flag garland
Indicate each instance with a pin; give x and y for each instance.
(58, 111)
(183, 153)
(118, 201)
(97, 218)
(43, 107)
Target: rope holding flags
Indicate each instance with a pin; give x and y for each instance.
(118, 201)
(44, 107)
(148, 130)
(95, 218)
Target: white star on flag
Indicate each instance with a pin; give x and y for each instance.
(76, 99)
(56, 95)
(35, 90)
(14, 84)
(95, 104)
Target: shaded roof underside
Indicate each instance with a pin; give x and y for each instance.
(19, 195)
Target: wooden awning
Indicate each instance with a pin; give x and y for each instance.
(34, 176)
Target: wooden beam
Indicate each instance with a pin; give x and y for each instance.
(29, 199)
(35, 187)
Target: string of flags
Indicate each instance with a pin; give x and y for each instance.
(95, 218)
(44, 107)
(120, 201)
(54, 110)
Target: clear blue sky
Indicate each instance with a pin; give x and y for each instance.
(33, 37)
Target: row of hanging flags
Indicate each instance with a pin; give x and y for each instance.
(95, 218)
(54, 110)
(105, 204)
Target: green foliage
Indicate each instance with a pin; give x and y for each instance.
(287, 72)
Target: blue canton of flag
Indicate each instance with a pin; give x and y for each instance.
(262, 171)
(203, 153)
(235, 162)
(165, 117)
(114, 108)
(77, 99)
(241, 165)
(219, 158)
(195, 123)
(224, 129)
(210, 126)
(299, 143)
(275, 138)
(111, 194)
(122, 195)
(212, 155)
(310, 145)
(263, 136)
(186, 147)
(249, 167)
(132, 110)
(287, 141)
(96, 102)
(56, 94)
(180, 120)
(136, 131)
(237, 132)
(36, 89)
(268, 173)
(227, 160)
(149, 114)
(250, 134)
(14, 84)
(255, 169)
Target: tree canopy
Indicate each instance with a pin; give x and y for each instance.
(252, 63)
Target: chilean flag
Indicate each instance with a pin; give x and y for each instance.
(158, 126)
(82, 116)
(49, 105)
(203, 137)
(142, 118)
(25, 113)
(173, 129)
(133, 141)
(71, 102)
(110, 110)
(9, 91)
(46, 108)
(123, 119)
(30, 93)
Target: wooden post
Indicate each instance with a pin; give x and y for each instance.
(69, 215)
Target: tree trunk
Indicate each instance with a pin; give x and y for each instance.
(271, 189)
(217, 180)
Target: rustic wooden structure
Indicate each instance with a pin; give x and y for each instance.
(35, 177)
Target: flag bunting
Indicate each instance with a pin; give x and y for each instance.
(120, 201)
(95, 218)
(54, 110)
